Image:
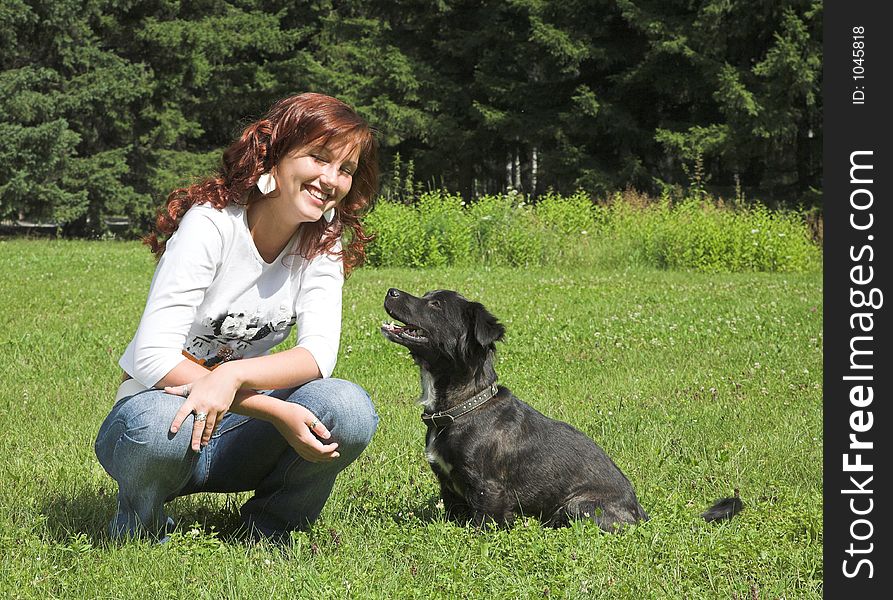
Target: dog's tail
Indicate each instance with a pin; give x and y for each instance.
(724, 509)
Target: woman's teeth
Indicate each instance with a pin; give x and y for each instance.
(318, 194)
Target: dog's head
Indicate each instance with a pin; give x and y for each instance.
(441, 327)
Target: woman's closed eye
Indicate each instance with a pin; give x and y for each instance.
(347, 169)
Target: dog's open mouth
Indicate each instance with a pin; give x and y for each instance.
(410, 332)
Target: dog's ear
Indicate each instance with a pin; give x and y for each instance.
(486, 328)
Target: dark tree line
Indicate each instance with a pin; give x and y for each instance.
(108, 104)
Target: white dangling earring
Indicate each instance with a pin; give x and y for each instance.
(266, 183)
(329, 215)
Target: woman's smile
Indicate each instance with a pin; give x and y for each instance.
(313, 179)
(317, 193)
(309, 182)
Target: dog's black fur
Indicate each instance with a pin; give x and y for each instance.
(504, 458)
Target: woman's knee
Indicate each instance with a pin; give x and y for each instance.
(139, 427)
(345, 408)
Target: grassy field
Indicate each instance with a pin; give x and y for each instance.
(695, 384)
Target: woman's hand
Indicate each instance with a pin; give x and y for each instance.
(303, 431)
(209, 398)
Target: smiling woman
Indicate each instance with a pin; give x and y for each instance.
(251, 253)
(307, 184)
(318, 125)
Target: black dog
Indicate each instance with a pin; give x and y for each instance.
(494, 456)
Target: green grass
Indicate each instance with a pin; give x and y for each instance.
(694, 383)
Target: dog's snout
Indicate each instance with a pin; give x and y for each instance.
(393, 293)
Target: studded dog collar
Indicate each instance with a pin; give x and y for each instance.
(444, 418)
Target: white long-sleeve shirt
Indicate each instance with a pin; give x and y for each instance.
(215, 299)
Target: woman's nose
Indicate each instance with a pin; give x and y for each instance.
(328, 176)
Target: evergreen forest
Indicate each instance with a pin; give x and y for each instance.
(106, 105)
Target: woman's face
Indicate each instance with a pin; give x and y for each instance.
(313, 179)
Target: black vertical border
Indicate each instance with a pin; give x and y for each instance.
(850, 127)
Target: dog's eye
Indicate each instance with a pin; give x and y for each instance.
(434, 303)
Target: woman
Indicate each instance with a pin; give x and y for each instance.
(252, 252)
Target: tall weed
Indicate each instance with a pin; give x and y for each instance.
(704, 236)
(399, 236)
(631, 230)
(505, 231)
(448, 229)
(568, 225)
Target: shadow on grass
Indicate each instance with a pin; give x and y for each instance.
(203, 512)
(86, 512)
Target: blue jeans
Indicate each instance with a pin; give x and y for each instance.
(152, 466)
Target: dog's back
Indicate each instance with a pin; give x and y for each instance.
(537, 466)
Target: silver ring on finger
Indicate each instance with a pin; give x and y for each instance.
(201, 416)
(314, 424)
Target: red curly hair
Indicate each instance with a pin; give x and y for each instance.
(290, 124)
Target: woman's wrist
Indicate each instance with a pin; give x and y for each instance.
(232, 372)
(260, 406)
